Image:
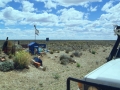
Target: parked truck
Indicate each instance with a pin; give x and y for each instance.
(107, 76)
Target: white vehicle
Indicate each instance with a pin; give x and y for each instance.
(107, 76)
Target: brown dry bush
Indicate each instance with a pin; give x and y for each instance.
(64, 59)
(77, 53)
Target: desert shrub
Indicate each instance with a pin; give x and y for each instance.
(6, 65)
(10, 56)
(56, 75)
(77, 53)
(72, 60)
(18, 47)
(85, 47)
(51, 51)
(41, 84)
(104, 50)
(89, 50)
(93, 52)
(22, 59)
(71, 55)
(64, 59)
(77, 65)
(58, 51)
(67, 50)
(55, 49)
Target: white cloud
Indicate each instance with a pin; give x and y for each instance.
(17, 33)
(20, 0)
(92, 9)
(112, 13)
(43, 19)
(17, 0)
(84, 4)
(107, 6)
(3, 3)
(66, 3)
(49, 4)
(10, 16)
(68, 23)
(70, 14)
(86, 15)
(27, 6)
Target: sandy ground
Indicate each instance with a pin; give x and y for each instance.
(54, 78)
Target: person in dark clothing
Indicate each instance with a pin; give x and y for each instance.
(37, 61)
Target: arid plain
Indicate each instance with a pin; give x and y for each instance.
(92, 55)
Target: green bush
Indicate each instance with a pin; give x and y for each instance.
(77, 65)
(22, 59)
(6, 65)
(93, 52)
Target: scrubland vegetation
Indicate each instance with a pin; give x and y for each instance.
(64, 59)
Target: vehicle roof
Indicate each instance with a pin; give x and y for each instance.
(107, 74)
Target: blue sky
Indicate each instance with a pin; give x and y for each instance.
(59, 19)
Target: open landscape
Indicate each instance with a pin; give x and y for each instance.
(90, 55)
(75, 38)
